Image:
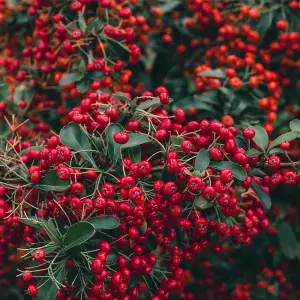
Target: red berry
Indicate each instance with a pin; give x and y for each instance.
(32, 290)
(39, 255)
(121, 138)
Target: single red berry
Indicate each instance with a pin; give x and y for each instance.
(195, 184)
(39, 255)
(27, 275)
(226, 176)
(32, 290)
(121, 138)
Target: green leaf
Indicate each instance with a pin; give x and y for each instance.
(83, 85)
(70, 78)
(176, 141)
(253, 152)
(287, 241)
(122, 96)
(135, 154)
(261, 138)
(149, 104)
(264, 24)
(208, 97)
(213, 73)
(295, 125)
(25, 151)
(78, 234)
(114, 149)
(119, 51)
(261, 194)
(240, 142)
(286, 137)
(257, 173)
(202, 160)
(51, 182)
(238, 171)
(169, 6)
(4, 92)
(136, 139)
(276, 151)
(92, 25)
(228, 93)
(98, 142)
(33, 221)
(47, 289)
(195, 102)
(95, 75)
(75, 138)
(112, 258)
(151, 243)
(23, 93)
(201, 203)
(105, 222)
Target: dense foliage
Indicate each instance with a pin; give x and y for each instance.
(149, 149)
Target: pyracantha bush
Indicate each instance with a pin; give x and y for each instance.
(116, 204)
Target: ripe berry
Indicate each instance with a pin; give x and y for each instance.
(39, 255)
(226, 176)
(32, 290)
(121, 137)
(273, 162)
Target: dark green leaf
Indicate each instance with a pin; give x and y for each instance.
(202, 160)
(169, 6)
(195, 102)
(151, 243)
(98, 142)
(105, 222)
(208, 97)
(264, 24)
(176, 141)
(33, 221)
(119, 51)
(4, 92)
(47, 290)
(261, 194)
(93, 25)
(228, 93)
(78, 234)
(201, 203)
(112, 257)
(257, 173)
(276, 151)
(287, 241)
(83, 85)
(51, 182)
(261, 138)
(135, 154)
(295, 125)
(286, 137)
(23, 93)
(213, 73)
(240, 142)
(253, 152)
(136, 139)
(122, 96)
(238, 171)
(149, 104)
(70, 78)
(114, 149)
(75, 138)
(95, 75)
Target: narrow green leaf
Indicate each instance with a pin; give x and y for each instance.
(135, 154)
(78, 234)
(70, 78)
(168, 6)
(261, 138)
(136, 139)
(287, 241)
(149, 104)
(114, 149)
(240, 142)
(51, 182)
(228, 93)
(264, 24)
(286, 137)
(276, 151)
(33, 221)
(201, 203)
(122, 96)
(213, 73)
(176, 141)
(257, 173)
(295, 125)
(253, 152)
(112, 258)
(75, 138)
(105, 222)
(47, 290)
(261, 194)
(117, 50)
(83, 85)
(202, 160)
(238, 171)
(4, 92)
